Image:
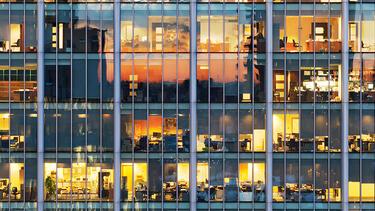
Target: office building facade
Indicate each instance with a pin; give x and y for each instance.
(188, 105)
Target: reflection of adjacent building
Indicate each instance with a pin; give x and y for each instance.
(362, 78)
(58, 35)
(361, 29)
(158, 136)
(159, 34)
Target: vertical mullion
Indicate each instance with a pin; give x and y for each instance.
(86, 102)
(284, 110)
(269, 109)
(71, 107)
(223, 104)
(360, 106)
(209, 104)
(40, 108)
(238, 104)
(147, 101)
(314, 105)
(177, 110)
(162, 104)
(133, 112)
(9, 101)
(193, 106)
(299, 103)
(57, 97)
(329, 102)
(24, 105)
(252, 102)
(344, 107)
(115, 104)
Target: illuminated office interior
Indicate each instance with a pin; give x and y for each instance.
(187, 105)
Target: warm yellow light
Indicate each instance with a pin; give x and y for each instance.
(33, 115)
(78, 165)
(4, 116)
(82, 116)
(106, 116)
(226, 180)
(203, 67)
(133, 76)
(246, 96)
(61, 35)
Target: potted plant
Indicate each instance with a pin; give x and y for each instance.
(50, 188)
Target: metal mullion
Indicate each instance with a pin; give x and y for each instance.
(223, 103)
(57, 97)
(71, 109)
(252, 103)
(238, 104)
(284, 110)
(9, 103)
(329, 102)
(40, 105)
(314, 111)
(360, 107)
(132, 110)
(147, 101)
(101, 106)
(344, 107)
(193, 105)
(209, 105)
(162, 104)
(299, 103)
(177, 110)
(24, 105)
(86, 103)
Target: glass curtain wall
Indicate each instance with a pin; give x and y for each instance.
(361, 129)
(154, 111)
(79, 71)
(155, 132)
(306, 105)
(230, 109)
(18, 114)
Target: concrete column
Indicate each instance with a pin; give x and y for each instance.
(116, 105)
(40, 104)
(193, 105)
(345, 107)
(269, 105)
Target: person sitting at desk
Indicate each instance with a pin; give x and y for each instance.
(259, 191)
(202, 192)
